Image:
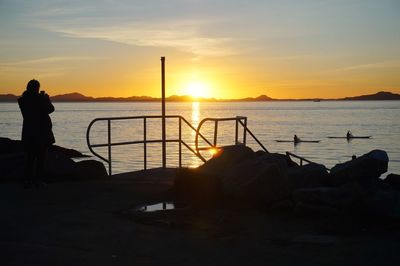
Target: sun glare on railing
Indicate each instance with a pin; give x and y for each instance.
(213, 151)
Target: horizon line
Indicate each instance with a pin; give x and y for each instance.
(183, 98)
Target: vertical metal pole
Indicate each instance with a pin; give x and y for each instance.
(215, 133)
(245, 131)
(109, 147)
(236, 131)
(144, 143)
(164, 158)
(180, 142)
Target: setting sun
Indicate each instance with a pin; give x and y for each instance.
(198, 89)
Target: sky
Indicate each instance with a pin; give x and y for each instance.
(220, 48)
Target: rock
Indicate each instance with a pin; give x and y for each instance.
(90, 169)
(228, 157)
(256, 180)
(59, 167)
(393, 180)
(314, 209)
(308, 176)
(10, 146)
(13, 146)
(282, 159)
(71, 153)
(321, 196)
(384, 203)
(58, 164)
(330, 200)
(367, 166)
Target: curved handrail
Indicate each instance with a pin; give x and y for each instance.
(237, 118)
(88, 140)
(109, 144)
(196, 151)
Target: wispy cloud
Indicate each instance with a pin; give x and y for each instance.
(46, 66)
(375, 65)
(47, 60)
(181, 35)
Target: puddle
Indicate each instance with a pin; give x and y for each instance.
(161, 206)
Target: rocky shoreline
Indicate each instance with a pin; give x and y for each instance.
(59, 165)
(273, 181)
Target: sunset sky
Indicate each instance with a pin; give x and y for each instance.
(221, 49)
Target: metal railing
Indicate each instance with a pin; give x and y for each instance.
(145, 141)
(240, 120)
(289, 154)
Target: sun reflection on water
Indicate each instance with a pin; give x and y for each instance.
(195, 113)
(195, 122)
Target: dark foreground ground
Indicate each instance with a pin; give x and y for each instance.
(89, 223)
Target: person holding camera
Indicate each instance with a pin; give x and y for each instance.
(37, 134)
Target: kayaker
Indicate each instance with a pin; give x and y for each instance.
(349, 135)
(296, 139)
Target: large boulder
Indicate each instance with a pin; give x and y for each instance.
(308, 176)
(282, 159)
(226, 158)
(383, 203)
(327, 200)
(10, 146)
(393, 180)
(329, 196)
(90, 169)
(248, 176)
(256, 180)
(58, 163)
(59, 167)
(368, 166)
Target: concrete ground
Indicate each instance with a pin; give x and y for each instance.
(82, 223)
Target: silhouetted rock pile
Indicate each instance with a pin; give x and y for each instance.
(273, 181)
(59, 164)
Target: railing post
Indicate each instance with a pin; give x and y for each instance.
(164, 150)
(245, 131)
(144, 143)
(109, 147)
(236, 131)
(180, 142)
(215, 133)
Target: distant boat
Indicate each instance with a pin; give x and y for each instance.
(316, 100)
(301, 141)
(353, 137)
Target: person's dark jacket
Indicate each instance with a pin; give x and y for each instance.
(37, 127)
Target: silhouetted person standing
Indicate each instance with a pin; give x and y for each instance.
(37, 134)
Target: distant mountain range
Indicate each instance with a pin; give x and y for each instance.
(77, 97)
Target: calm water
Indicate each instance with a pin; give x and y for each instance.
(267, 120)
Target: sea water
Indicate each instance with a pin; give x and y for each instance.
(269, 121)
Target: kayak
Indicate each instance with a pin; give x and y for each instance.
(354, 137)
(306, 141)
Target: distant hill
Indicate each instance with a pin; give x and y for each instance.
(379, 96)
(260, 98)
(77, 97)
(71, 97)
(8, 98)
